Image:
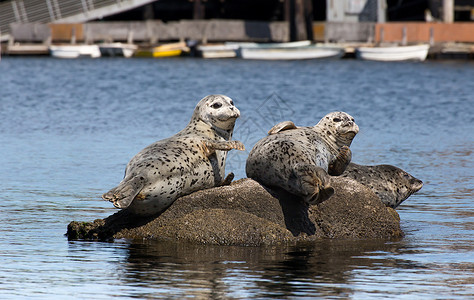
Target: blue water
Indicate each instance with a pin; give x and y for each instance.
(68, 128)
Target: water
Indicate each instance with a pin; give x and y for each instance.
(68, 127)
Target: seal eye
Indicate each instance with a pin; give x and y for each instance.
(231, 102)
(336, 120)
(216, 105)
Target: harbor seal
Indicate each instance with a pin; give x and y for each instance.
(391, 184)
(299, 159)
(191, 160)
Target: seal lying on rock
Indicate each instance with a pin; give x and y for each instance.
(299, 159)
(191, 160)
(391, 184)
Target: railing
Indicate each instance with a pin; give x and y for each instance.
(57, 11)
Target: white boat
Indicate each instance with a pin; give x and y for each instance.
(393, 53)
(292, 53)
(74, 51)
(217, 51)
(117, 49)
(269, 45)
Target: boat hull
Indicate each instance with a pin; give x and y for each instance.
(246, 45)
(158, 53)
(217, 51)
(166, 50)
(117, 49)
(397, 53)
(75, 51)
(295, 53)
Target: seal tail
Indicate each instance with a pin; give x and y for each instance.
(123, 195)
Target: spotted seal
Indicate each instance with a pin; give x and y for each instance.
(191, 160)
(299, 159)
(391, 184)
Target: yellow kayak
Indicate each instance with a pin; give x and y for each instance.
(160, 53)
(167, 50)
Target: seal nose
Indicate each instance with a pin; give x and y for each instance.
(236, 111)
(417, 184)
(356, 128)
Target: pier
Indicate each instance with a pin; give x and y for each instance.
(27, 29)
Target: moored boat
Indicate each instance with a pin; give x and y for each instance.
(74, 51)
(246, 45)
(117, 49)
(292, 53)
(393, 53)
(217, 51)
(166, 50)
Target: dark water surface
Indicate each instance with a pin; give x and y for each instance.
(68, 128)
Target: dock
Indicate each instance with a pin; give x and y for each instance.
(446, 25)
(446, 40)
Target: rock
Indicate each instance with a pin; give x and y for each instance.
(247, 213)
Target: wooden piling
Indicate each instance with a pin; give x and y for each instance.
(198, 10)
(404, 36)
(297, 20)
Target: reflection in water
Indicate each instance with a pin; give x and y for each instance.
(328, 268)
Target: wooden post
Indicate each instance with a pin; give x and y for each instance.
(130, 37)
(404, 36)
(198, 10)
(448, 11)
(308, 19)
(297, 24)
(381, 35)
(381, 11)
(148, 12)
(431, 36)
(73, 35)
(291, 19)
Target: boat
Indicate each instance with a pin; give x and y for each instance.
(268, 45)
(217, 51)
(27, 49)
(393, 53)
(292, 53)
(74, 51)
(234, 49)
(166, 50)
(117, 49)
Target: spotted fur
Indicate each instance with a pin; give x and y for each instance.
(299, 159)
(191, 160)
(391, 184)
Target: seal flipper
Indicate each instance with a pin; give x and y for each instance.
(282, 126)
(123, 195)
(228, 179)
(211, 146)
(342, 160)
(312, 183)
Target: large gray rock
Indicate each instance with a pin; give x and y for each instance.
(246, 213)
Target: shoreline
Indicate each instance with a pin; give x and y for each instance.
(439, 51)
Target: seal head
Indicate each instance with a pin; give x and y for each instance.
(337, 129)
(218, 111)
